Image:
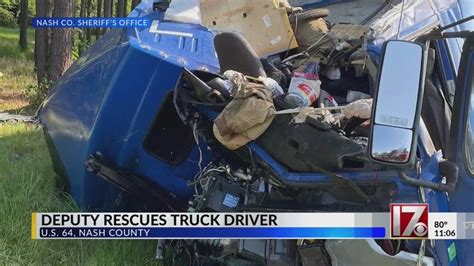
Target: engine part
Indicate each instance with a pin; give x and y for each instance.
(274, 251)
(313, 252)
(219, 194)
(307, 147)
(241, 175)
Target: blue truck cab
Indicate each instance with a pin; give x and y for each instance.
(124, 132)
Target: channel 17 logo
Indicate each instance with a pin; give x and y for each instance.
(409, 220)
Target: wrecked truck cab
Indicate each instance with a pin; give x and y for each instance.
(134, 123)
(117, 108)
(116, 105)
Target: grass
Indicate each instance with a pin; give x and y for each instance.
(16, 70)
(27, 185)
(27, 181)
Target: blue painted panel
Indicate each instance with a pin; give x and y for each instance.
(106, 101)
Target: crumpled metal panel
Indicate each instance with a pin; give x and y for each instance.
(187, 45)
(109, 97)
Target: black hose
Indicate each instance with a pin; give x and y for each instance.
(426, 184)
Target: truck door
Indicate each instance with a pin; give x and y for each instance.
(461, 149)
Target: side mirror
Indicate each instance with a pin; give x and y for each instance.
(397, 104)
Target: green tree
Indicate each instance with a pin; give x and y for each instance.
(135, 3)
(107, 11)
(41, 42)
(24, 24)
(88, 14)
(121, 8)
(61, 41)
(100, 6)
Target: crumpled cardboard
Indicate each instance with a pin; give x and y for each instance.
(263, 23)
(246, 117)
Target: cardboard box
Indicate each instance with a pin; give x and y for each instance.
(262, 23)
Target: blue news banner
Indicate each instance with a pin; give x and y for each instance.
(213, 232)
(404, 221)
(206, 225)
(39, 22)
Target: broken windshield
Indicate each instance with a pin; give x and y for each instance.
(418, 17)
